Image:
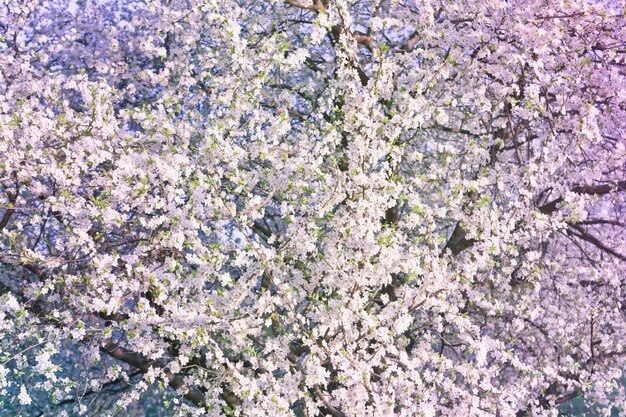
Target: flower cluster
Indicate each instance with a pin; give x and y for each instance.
(312, 207)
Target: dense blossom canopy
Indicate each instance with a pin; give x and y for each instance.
(312, 208)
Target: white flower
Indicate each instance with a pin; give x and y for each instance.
(3, 373)
(317, 375)
(10, 303)
(317, 34)
(402, 323)
(23, 396)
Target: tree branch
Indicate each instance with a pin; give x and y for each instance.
(140, 362)
(331, 409)
(317, 5)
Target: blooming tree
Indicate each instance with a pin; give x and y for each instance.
(312, 208)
